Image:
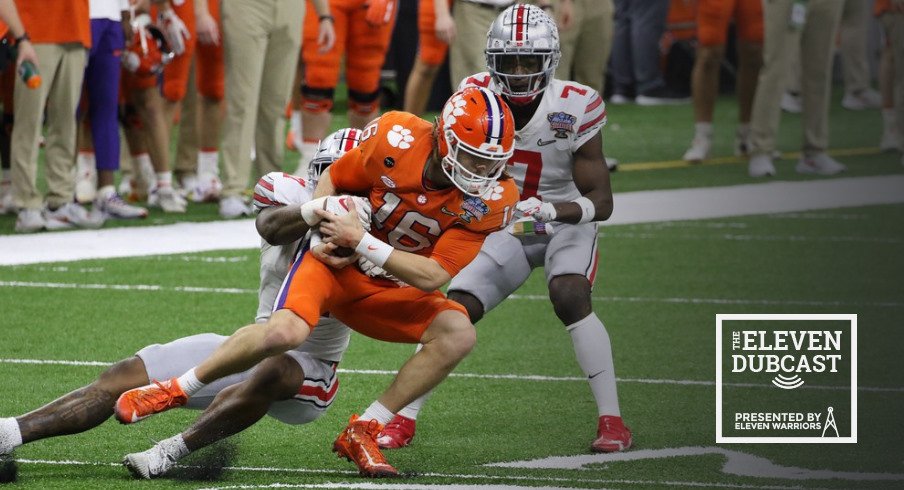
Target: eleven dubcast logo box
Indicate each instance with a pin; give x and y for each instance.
(786, 378)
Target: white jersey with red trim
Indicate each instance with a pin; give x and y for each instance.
(330, 339)
(569, 115)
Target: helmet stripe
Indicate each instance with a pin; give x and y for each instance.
(494, 117)
(519, 23)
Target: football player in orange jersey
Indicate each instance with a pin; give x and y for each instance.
(437, 191)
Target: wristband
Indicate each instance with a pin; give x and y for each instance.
(588, 210)
(24, 37)
(327, 17)
(374, 249)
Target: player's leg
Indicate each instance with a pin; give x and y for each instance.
(430, 55)
(712, 22)
(368, 45)
(298, 309)
(321, 75)
(74, 412)
(571, 265)
(234, 409)
(503, 258)
(750, 57)
(212, 107)
(149, 104)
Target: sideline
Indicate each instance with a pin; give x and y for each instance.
(630, 208)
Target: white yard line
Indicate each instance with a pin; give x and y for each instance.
(366, 484)
(630, 208)
(527, 297)
(513, 377)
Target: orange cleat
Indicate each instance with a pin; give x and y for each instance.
(611, 435)
(358, 444)
(398, 433)
(140, 403)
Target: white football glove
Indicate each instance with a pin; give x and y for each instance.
(174, 30)
(536, 209)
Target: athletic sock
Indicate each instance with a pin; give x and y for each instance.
(209, 161)
(594, 353)
(174, 447)
(376, 411)
(703, 129)
(10, 437)
(295, 126)
(190, 383)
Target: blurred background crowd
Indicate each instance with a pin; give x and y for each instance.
(129, 104)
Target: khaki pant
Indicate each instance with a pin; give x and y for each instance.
(466, 53)
(262, 39)
(591, 36)
(62, 68)
(854, 30)
(894, 30)
(187, 149)
(816, 40)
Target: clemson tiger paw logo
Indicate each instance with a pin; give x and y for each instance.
(493, 194)
(454, 108)
(400, 137)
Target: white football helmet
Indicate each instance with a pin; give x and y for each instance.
(522, 52)
(331, 149)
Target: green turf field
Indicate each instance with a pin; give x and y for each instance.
(519, 396)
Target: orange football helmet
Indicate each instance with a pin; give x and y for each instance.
(148, 52)
(476, 138)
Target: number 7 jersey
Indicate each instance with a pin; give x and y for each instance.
(569, 115)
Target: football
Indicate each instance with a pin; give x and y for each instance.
(339, 205)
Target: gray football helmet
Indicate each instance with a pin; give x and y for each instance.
(522, 52)
(331, 149)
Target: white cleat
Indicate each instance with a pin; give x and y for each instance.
(791, 103)
(233, 207)
(167, 199)
(761, 165)
(891, 140)
(152, 463)
(699, 150)
(819, 164)
(863, 100)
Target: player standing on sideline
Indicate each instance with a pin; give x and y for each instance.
(296, 387)
(437, 191)
(559, 166)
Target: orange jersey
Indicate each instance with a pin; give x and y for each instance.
(389, 167)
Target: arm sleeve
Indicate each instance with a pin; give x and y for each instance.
(592, 120)
(456, 248)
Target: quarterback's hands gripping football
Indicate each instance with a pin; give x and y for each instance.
(536, 209)
(326, 253)
(343, 220)
(174, 30)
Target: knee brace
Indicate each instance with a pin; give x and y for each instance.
(363, 103)
(317, 100)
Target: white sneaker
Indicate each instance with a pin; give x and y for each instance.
(791, 103)
(85, 179)
(167, 199)
(699, 149)
(819, 164)
(612, 164)
(30, 221)
(233, 207)
(6, 198)
(862, 100)
(112, 205)
(207, 188)
(891, 140)
(760, 165)
(149, 464)
(71, 215)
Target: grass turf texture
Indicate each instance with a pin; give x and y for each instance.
(786, 259)
(658, 290)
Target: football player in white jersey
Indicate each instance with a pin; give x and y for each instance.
(561, 172)
(296, 387)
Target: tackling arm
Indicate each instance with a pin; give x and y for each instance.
(281, 225)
